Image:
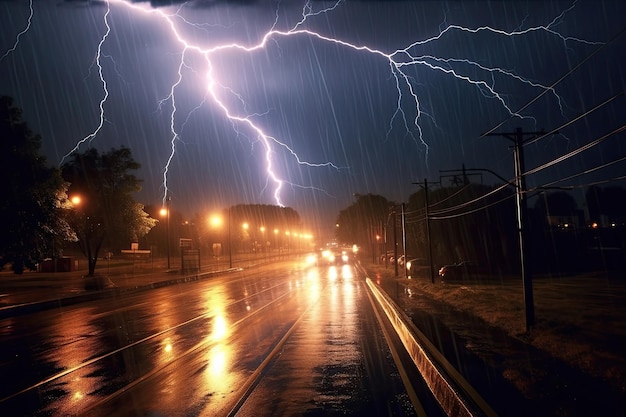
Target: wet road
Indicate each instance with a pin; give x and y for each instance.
(286, 339)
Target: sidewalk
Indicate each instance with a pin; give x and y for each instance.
(36, 291)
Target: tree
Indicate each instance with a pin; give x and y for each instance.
(473, 221)
(606, 203)
(557, 203)
(360, 222)
(33, 198)
(101, 187)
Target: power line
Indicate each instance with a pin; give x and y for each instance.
(551, 88)
(585, 172)
(467, 203)
(452, 216)
(620, 178)
(450, 196)
(589, 184)
(576, 151)
(577, 118)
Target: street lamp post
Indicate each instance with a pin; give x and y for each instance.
(217, 222)
(244, 227)
(230, 243)
(166, 212)
(263, 245)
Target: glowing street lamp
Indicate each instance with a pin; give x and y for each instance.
(245, 227)
(216, 221)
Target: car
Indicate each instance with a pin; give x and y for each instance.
(385, 257)
(328, 257)
(415, 265)
(311, 259)
(459, 270)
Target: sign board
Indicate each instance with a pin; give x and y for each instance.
(190, 260)
(217, 249)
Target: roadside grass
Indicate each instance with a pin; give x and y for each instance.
(580, 320)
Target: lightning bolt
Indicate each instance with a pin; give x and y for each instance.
(399, 61)
(98, 60)
(20, 34)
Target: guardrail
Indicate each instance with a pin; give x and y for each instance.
(455, 395)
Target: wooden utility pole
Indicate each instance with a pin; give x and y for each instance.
(430, 246)
(395, 242)
(517, 138)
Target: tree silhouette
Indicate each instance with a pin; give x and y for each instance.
(33, 195)
(359, 223)
(606, 201)
(104, 210)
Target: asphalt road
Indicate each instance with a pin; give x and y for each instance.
(286, 339)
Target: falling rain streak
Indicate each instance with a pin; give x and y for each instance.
(377, 92)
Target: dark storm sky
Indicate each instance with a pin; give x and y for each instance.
(326, 102)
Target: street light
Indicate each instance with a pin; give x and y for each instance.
(263, 242)
(230, 243)
(165, 211)
(245, 226)
(216, 222)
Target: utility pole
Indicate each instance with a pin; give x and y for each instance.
(168, 208)
(392, 212)
(406, 274)
(230, 242)
(463, 172)
(395, 242)
(428, 241)
(517, 138)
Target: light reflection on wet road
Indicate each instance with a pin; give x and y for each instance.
(289, 340)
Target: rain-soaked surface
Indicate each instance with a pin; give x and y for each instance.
(286, 341)
(326, 366)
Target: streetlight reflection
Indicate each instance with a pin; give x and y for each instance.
(220, 328)
(218, 377)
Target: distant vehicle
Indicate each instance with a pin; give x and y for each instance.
(311, 259)
(328, 257)
(416, 264)
(385, 257)
(460, 270)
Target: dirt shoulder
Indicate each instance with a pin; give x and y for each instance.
(580, 321)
